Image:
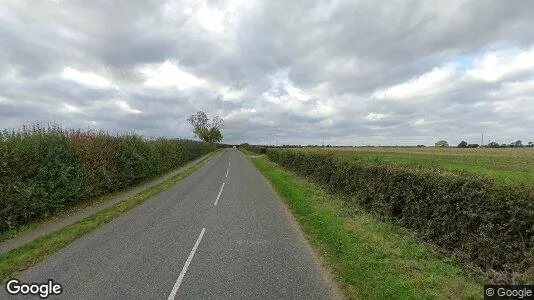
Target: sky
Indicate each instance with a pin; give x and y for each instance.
(277, 71)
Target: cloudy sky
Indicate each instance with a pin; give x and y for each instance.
(277, 71)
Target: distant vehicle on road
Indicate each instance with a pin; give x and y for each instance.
(234, 147)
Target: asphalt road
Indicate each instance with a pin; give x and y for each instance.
(221, 233)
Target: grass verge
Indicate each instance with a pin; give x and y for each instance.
(371, 259)
(247, 152)
(26, 256)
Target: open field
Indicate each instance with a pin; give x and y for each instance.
(510, 165)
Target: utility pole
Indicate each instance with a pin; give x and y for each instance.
(323, 141)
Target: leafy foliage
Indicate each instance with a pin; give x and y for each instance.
(487, 224)
(254, 148)
(44, 169)
(203, 129)
(360, 248)
(442, 144)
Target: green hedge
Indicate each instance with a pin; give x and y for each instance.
(254, 148)
(43, 170)
(475, 219)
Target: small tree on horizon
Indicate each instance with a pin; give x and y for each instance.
(204, 129)
(442, 144)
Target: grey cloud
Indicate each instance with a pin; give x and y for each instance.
(385, 38)
(336, 52)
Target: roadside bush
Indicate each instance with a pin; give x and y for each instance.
(45, 169)
(40, 173)
(254, 148)
(480, 222)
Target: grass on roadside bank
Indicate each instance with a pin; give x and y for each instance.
(26, 256)
(247, 152)
(371, 259)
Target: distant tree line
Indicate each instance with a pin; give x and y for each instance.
(464, 144)
(439, 144)
(516, 144)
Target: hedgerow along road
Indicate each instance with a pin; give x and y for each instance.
(220, 233)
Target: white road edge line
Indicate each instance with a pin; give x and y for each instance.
(227, 172)
(186, 265)
(218, 196)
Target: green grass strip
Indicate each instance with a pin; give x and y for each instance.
(371, 259)
(33, 252)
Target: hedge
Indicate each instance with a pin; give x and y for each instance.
(476, 220)
(45, 169)
(254, 148)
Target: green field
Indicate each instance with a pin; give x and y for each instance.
(510, 165)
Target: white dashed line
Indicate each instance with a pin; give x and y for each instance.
(186, 265)
(218, 196)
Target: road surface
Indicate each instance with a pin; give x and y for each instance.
(221, 233)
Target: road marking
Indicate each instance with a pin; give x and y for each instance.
(218, 196)
(186, 265)
(227, 172)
